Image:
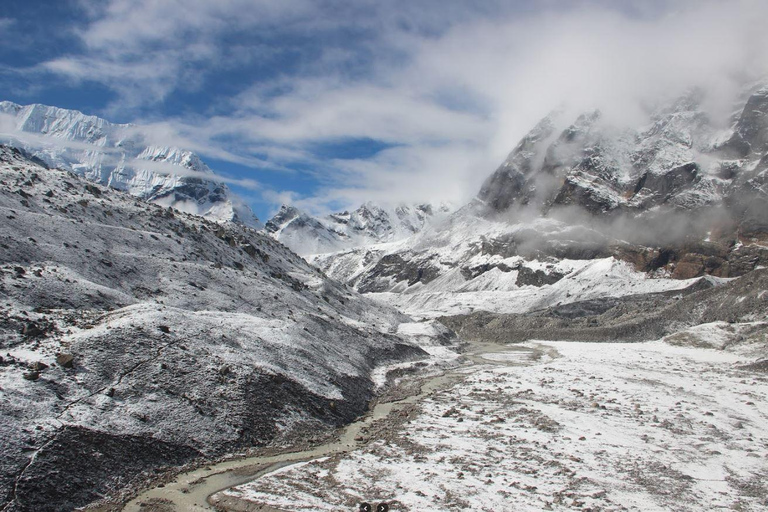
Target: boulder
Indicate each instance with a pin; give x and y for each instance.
(65, 360)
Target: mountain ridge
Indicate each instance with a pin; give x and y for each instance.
(678, 198)
(118, 155)
(369, 224)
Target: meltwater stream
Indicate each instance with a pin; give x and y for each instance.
(192, 491)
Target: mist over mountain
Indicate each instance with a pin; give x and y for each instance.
(681, 163)
(678, 198)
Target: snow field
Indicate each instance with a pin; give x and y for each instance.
(604, 426)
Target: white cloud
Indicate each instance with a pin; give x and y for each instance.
(453, 85)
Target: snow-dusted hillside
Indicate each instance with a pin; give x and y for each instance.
(369, 224)
(119, 156)
(135, 337)
(457, 269)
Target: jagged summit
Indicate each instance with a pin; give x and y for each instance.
(366, 225)
(282, 218)
(680, 161)
(118, 155)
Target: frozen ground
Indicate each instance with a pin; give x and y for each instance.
(588, 426)
(496, 292)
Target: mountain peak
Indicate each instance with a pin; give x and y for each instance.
(370, 223)
(673, 162)
(110, 154)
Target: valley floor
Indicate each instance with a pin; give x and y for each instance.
(554, 426)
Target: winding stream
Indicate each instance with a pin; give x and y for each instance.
(191, 491)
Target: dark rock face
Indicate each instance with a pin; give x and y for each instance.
(509, 184)
(81, 465)
(503, 189)
(749, 201)
(478, 270)
(530, 244)
(538, 278)
(632, 318)
(392, 269)
(644, 259)
(660, 188)
(593, 193)
(695, 259)
(751, 133)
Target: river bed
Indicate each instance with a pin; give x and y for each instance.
(577, 426)
(191, 491)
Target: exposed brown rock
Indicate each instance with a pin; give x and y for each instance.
(65, 360)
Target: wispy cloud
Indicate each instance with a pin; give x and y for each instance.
(450, 86)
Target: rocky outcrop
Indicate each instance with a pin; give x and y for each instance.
(81, 465)
(728, 258)
(538, 277)
(393, 269)
(750, 135)
(510, 184)
(655, 189)
(631, 318)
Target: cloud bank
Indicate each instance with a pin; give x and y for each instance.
(446, 88)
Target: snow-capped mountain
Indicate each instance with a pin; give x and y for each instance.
(676, 199)
(369, 224)
(680, 161)
(118, 155)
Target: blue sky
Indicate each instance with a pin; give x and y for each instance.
(327, 103)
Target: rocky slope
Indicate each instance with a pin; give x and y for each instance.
(679, 198)
(369, 224)
(681, 161)
(134, 337)
(119, 156)
(740, 305)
